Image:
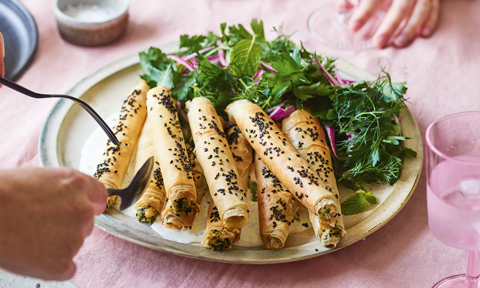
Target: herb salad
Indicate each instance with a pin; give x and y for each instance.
(361, 118)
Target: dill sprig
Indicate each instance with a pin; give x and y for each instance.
(363, 115)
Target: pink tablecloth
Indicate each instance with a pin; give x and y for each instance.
(442, 75)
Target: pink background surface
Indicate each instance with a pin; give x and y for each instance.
(442, 76)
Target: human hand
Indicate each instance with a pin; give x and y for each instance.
(420, 18)
(45, 214)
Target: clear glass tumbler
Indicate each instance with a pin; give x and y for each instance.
(330, 27)
(453, 189)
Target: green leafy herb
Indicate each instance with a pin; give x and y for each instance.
(153, 65)
(167, 78)
(257, 28)
(193, 44)
(369, 143)
(183, 86)
(357, 203)
(310, 91)
(245, 58)
(258, 92)
(252, 185)
(369, 149)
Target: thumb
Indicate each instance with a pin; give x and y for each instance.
(98, 195)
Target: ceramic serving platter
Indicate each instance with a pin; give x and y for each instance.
(68, 127)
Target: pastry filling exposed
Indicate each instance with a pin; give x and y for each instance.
(331, 237)
(147, 214)
(183, 205)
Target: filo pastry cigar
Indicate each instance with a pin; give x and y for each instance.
(217, 236)
(276, 207)
(306, 134)
(242, 153)
(216, 159)
(116, 158)
(293, 171)
(171, 153)
(152, 201)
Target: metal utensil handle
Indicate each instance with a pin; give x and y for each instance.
(84, 105)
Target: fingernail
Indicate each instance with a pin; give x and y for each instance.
(401, 40)
(357, 25)
(382, 41)
(426, 31)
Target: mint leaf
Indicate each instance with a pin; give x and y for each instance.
(355, 204)
(245, 58)
(252, 185)
(370, 198)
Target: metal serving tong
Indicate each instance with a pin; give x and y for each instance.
(84, 105)
(139, 182)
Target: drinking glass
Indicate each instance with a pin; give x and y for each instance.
(330, 27)
(453, 189)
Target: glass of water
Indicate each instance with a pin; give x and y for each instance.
(453, 189)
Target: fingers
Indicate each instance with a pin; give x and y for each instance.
(420, 14)
(365, 10)
(342, 5)
(398, 11)
(432, 20)
(97, 194)
(87, 186)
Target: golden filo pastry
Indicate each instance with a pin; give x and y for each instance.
(242, 153)
(216, 159)
(201, 186)
(281, 157)
(306, 134)
(151, 202)
(116, 158)
(217, 236)
(171, 153)
(276, 207)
